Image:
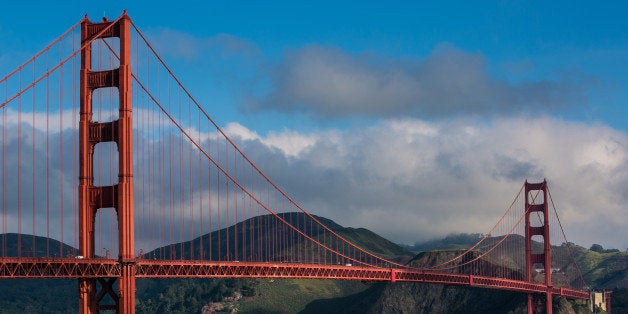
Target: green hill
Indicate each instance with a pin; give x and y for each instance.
(37, 295)
(602, 269)
(219, 244)
(256, 295)
(43, 247)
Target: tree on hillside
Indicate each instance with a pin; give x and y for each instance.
(597, 248)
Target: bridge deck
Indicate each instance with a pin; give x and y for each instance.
(100, 267)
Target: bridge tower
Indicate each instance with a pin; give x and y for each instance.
(538, 204)
(120, 195)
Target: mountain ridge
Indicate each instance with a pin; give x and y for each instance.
(604, 269)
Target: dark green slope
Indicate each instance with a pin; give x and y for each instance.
(37, 295)
(421, 298)
(43, 247)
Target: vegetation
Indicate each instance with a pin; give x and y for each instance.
(421, 298)
(619, 300)
(606, 270)
(601, 268)
(293, 295)
(600, 249)
(38, 296)
(188, 295)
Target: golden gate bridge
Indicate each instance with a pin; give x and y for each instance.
(187, 190)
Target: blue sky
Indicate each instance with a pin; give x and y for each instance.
(519, 40)
(294, 75)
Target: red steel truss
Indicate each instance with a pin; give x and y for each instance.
(58, 268)
(108, 268)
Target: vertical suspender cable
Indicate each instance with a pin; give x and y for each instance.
(170, 166)
(112, 181)
(33, 245)
(4, 204)
(201, 194)
(60, 153)
(141, 227)
(99, 214)
(19, 171)
(74, 153)
(190, 192)
(218, 207)
(227, 200)
(209, 199)
(180, 161)
(235, 205)
(47, 174)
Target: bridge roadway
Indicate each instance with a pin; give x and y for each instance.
(11, 267)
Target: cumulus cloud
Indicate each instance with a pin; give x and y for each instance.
(411, 180)
(407, 179)
(290, 143)
(330, 82)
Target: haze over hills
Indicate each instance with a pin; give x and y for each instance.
(602, 270)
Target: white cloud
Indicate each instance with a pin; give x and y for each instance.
(290, 143)
(406, 179)
(411, 180)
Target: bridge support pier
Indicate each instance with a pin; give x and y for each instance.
(87, 293)
(119, 196)
(533, 306)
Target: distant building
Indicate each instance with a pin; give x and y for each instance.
(598, 299)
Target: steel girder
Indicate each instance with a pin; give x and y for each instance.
(58, 268)
(201, 269)
(99, 268)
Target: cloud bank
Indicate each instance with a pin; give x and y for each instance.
(412, 180)
(329, 82)
(406, 179)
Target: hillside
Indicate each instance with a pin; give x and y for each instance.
(607, 269)
(217, 240)
(602, 270)
(37, 295)
(257, 295)
(44, 247)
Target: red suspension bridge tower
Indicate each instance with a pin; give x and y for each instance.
(120, 195)
(534, 205)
